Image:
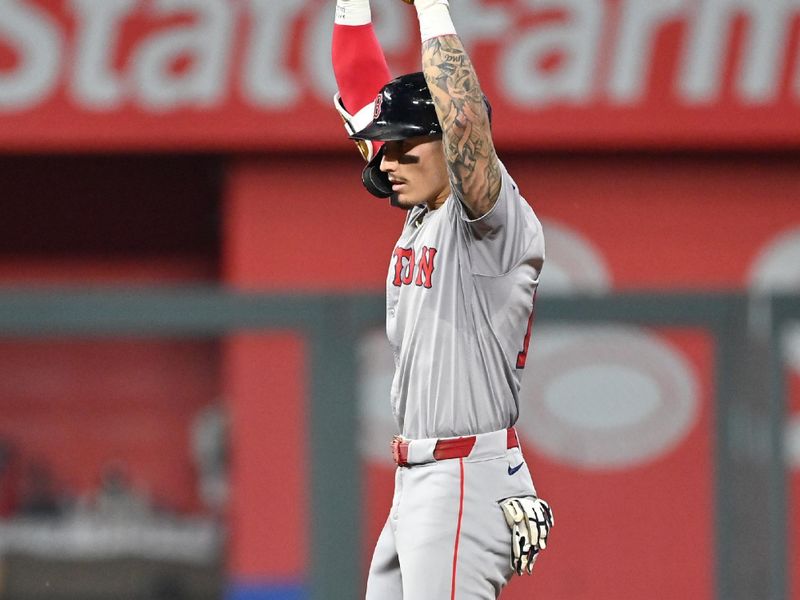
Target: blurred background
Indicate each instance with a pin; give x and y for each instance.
(193, 373)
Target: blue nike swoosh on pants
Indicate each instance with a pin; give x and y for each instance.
(515, 469)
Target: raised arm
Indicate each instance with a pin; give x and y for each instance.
(467, 137)
(359, 66)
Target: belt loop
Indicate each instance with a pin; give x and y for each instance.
(400, 451)
(513, 438)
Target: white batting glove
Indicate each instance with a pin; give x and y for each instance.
(352, 12)
(434, 18)
(425, 4)
(530, 520)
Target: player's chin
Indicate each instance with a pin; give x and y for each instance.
(405, 200)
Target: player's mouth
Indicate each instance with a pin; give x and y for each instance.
(397, 184)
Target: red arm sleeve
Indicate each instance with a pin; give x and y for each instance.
(358, 64)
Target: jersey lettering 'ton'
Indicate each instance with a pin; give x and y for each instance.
(406, 267)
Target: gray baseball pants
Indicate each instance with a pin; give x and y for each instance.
(446, 537)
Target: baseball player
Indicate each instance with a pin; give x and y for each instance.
(459, 307)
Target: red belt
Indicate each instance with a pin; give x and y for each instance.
(447, 448)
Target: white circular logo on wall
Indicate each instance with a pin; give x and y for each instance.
(776, 268)
(572, 263)
(606, 396)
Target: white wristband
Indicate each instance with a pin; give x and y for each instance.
(352, 12)
(434, 18)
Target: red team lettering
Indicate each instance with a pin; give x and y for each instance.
(522, 357)
(425, 267)
(406, 267)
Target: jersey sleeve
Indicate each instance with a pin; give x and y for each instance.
(360, 69)
(507, 235)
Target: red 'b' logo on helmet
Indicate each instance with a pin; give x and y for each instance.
(378, 103)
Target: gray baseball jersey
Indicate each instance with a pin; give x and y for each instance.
(459, 297)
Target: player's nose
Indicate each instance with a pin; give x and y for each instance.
(387, 164)
(389, 159)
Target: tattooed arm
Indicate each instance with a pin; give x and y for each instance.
(467, 138)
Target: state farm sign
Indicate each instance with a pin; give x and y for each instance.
(228, 74)
(109, 53)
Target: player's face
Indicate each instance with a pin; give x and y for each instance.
(417, 171)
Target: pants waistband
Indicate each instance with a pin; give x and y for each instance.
(483, 445)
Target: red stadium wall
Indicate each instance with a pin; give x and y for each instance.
(75, 407)
(265, 388)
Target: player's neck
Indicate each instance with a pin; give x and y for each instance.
(439, 199)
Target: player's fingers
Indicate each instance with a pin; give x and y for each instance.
(540, 513)
(531, 562)
(548, 520)
(532, 532)
(512, 511)
(548, 512)
(530, 520)
(536, 538)
(517, 545)
(533, 518)
(536, 511)
(544, 533)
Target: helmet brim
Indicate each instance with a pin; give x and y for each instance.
(381, 131)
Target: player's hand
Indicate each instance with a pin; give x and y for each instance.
(530, 520)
